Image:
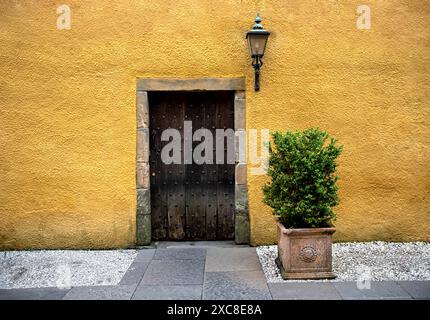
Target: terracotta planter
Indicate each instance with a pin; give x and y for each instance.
(305, 253)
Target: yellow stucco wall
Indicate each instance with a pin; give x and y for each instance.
(67, 107)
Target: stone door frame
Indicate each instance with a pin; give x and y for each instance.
(143, 196)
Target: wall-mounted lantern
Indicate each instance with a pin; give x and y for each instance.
(257, 39)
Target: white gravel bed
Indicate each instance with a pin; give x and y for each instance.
(63, 268)
(360, 261)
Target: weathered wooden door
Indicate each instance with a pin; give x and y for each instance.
(191, 201)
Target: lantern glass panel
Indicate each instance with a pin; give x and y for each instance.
(257, 44)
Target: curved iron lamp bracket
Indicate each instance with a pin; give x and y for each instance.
(257, 63)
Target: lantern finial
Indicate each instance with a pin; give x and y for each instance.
(257, 25)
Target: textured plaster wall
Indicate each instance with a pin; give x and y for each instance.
(67, 107)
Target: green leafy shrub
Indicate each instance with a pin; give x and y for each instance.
(303, 187)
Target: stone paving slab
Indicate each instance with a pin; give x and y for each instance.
(174, 272)
(179, 292)
(134, 273)
(198, 244)
(33, 294)
(242, 285)
(303, 291)
(417, 289)
(378, 290)
(101, 293)
(144, 255)
(232, 259)
(180, 254)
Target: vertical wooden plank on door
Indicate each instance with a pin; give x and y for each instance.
(210, 176)
(198, 123)
(194, 206)
(225, 171)
(189, 190)
(175, 172)
(158, 194)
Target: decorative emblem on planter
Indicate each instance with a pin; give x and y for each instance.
(308, 254)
